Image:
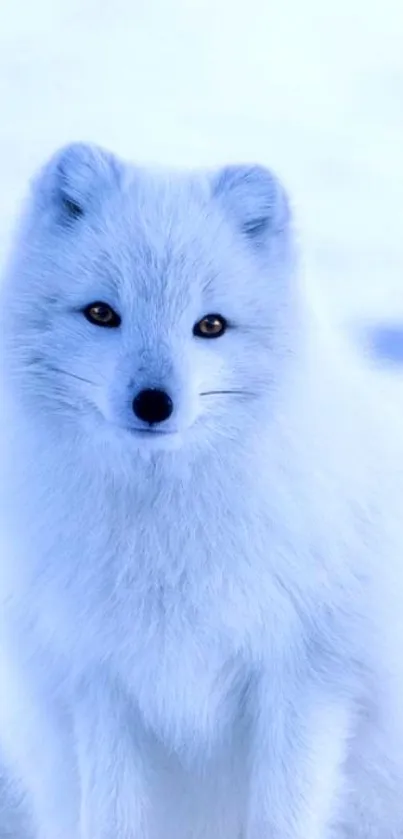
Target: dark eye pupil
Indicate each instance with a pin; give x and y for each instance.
(211, 326)
(101, 314)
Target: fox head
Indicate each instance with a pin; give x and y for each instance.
(150, 308)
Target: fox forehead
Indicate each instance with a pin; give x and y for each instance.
(100, 227)
(153, 235)
(169, 256)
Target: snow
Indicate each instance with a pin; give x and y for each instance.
(313, 88)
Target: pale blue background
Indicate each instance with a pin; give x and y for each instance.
(313, 88)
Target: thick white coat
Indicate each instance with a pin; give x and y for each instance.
(201, 631)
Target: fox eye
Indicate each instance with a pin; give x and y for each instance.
(211, 326)
(101, 314)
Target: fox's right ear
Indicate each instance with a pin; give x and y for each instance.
(255, 200)
(74, 178)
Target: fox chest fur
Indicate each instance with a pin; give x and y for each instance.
(169, 594)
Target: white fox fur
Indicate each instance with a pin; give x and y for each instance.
(201, 631)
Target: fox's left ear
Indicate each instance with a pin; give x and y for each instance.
(255, 199)
(74, 180)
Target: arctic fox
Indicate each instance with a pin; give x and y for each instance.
(201, 538)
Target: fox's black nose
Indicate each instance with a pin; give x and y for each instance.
(152, 406)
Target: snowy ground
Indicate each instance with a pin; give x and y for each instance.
(311, 87)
